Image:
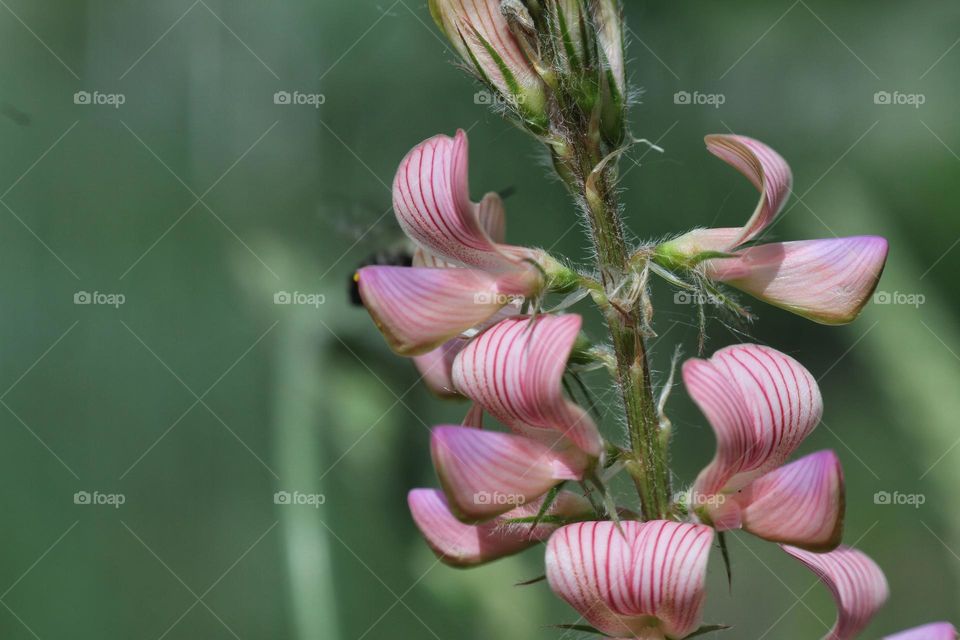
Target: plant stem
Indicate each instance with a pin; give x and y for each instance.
(649, 464)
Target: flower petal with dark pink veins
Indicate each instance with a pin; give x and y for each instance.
(828, 281)
(858, 586)
(431, 198)
(761, 404)
(514, 370)
(486, 473)
(418, 309)
(801, 504)
(463, 545)
(641, 580)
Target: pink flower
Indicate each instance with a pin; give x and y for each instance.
(858, 586)
(762, 404)
(513, 370)
(935, 631)
(464, 277)
(643, 580)
(463, 545)
(828, 281)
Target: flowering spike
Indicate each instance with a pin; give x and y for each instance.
(828, 281)
(486, 473)
(858, 586)
(463, 545)
(761, 404)
(801, 504)
(419, 309)
(632, 580)
(935, 631)
(514, 370)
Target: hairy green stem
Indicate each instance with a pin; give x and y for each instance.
(648, 465)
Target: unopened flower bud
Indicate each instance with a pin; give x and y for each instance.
(482, 35)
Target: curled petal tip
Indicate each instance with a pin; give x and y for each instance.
(765, 168)
(857, 584)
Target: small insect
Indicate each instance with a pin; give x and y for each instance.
(399, 255)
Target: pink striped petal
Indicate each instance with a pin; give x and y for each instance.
(828, 281)
(469, 24)
(801, 504)
(858, 586)
(935, 631)
(492, 218)
(486, 473)
(463, 545)
(646, 582)
(431, 198)
(765, 168)
(761, 404)
(514, 370)
(419, 309)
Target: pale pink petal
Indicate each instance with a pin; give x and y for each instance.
(858, 586)
(434, 367)
(418, 309)
(486, 473)
(935, 631)
(761, 404)
(463, 545)
(492, 219)
(828, 281)
(765, 168)
(514, 370)
(470, 23)
(801, 504)
(643, 580)
(431, 199)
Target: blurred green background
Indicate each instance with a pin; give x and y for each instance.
(198, 398)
